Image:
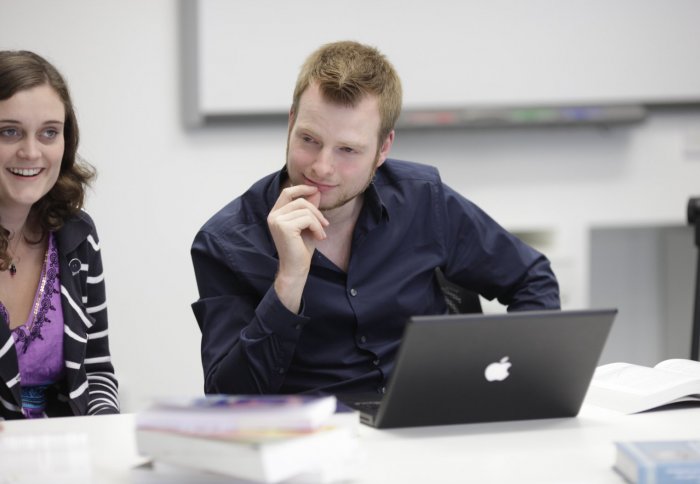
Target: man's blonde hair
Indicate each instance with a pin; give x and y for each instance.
(346, 72)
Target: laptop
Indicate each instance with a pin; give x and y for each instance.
(467, 368)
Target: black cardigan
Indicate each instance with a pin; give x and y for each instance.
(89, 386)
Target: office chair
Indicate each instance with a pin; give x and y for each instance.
(458, 299)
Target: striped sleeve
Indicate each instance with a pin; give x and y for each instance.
(101, 384)
(7, 408)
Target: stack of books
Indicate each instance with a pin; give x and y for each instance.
(269, 438)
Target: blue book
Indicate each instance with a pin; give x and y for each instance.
(659, 462)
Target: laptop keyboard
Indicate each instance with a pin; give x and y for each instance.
(366, 406)
(373, 404)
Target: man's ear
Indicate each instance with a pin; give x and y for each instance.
(386, 148)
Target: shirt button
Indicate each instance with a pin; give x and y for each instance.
(376, 362)
(297, 326)
(74, 265)
(353, 292)
(280, 371)
(363, 339)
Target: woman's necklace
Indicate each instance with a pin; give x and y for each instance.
(42, 287)
(15, 258)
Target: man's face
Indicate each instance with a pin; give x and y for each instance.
(335, 147)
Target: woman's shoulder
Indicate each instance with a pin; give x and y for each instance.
(76, 230)
(81, 221)
(83, 217)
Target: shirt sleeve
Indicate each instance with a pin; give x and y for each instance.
(487, 259)
(248, 338)
(102, 384)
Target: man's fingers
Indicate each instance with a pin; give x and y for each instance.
(294, 192)
(315, 199)
(300, 220)
(298, 204)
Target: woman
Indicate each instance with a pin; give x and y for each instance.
(54, 351)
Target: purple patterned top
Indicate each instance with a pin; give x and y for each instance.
(39, 341)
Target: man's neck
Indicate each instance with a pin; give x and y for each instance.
(341, 218)
(338, 243)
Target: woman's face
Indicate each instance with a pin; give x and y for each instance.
(31, 146)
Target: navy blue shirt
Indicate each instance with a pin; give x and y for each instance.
(347, 332)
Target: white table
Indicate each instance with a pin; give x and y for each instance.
(574, 450)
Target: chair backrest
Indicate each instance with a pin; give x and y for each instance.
(458, 299)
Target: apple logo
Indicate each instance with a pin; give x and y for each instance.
(498, 371)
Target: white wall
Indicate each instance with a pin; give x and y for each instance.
(159, 182)
(648, 272)
(483, 53)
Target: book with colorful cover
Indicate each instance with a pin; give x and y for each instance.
(231, 413)
(659, 462)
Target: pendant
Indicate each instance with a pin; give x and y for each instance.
(13, 269)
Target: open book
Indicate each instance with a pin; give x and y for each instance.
(633, 388)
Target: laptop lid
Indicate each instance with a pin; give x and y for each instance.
(467, 368)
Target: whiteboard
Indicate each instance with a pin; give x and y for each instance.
(242, 57)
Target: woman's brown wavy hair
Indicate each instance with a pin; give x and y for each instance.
(22, 70)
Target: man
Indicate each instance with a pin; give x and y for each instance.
(307, 280)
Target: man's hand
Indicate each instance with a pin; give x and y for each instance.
(296, 224)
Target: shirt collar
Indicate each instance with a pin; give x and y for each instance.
(374, 204)
(73, 232)
(274, 187)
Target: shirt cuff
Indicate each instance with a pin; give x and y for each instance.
(275, 318)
